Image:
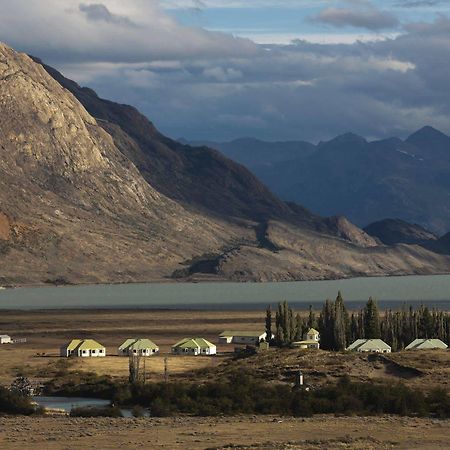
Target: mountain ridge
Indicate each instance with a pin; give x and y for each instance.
(365, 181)
(84, 201)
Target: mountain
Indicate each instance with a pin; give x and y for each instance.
(366, 181)
(254, 153)
(441, 245)
(90, 191)
(396, 231)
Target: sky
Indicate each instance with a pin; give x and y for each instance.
(270, 69)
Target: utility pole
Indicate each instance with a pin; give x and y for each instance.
(166, 370)
(145, 372)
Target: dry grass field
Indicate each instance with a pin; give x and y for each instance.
(46, 331)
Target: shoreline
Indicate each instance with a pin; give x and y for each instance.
(203, 281)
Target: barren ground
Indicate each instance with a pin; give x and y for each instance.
(261, 433)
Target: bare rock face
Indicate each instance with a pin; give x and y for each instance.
(92, 215)
(109, 199)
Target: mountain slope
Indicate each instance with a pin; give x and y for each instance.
(200, 177)
(109, 199)
(368, 181)
(396, 231)
(68, 196)
(256, 154)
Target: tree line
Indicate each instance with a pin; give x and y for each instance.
(338, 327)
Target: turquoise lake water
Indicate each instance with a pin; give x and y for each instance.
(389, 291)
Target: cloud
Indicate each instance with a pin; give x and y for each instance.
(99, 12)
(358, 14)
(418, 3)
(199, 84)
(111, 31)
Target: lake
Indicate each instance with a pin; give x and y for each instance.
(389, 291)
(68, 403)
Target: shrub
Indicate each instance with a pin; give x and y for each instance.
(137, 411)
(91, 411)
(14, 403)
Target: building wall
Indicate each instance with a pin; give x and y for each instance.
(91, 353)
(374, 350)
(143, 352)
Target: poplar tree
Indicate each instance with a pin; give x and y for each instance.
(269, 324)
(312, 322)
(371, 320)
(339, 324)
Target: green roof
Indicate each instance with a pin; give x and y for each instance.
(423, 344)
(312, 331)
(368, 344)
(90, 344)
(193, 343)
(138, 344)
(242, 333)
(73, 344)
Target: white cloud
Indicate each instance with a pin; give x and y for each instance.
(110, 31)
(201, 84)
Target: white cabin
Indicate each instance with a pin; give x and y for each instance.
(5, 339)
(369, 345)
(194, 347)
(242, 337)
(83, 348)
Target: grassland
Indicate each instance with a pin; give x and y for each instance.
(47, 330)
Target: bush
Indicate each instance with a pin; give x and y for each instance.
(242, 393)
(82, 384)
(137, 411)
(13, 403)
(93, 411)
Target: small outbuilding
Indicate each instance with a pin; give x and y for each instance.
(242, 337)
(142, 347)
(312, 340)
(83, 348)
(369, 345)
(426, 344)
(194, 347)
(5, 339)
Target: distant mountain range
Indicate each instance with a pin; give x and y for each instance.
(91, 191)
(364, 181)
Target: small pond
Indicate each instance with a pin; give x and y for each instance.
(68, 403)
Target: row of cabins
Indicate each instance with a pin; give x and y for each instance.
(379, 346)
(89, 348)
(200, 346)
